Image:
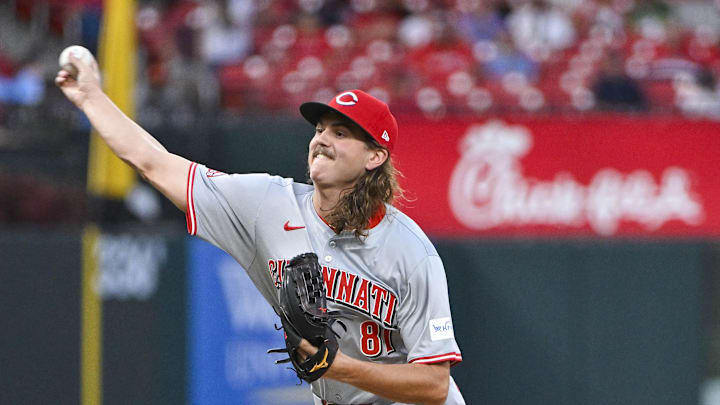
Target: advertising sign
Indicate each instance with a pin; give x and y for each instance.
(231, 327)
(606, 176)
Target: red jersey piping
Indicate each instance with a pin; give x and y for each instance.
(190, 217)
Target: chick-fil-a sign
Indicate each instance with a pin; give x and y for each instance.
(602, 176)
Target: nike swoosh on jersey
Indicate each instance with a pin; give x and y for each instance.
(288, 227)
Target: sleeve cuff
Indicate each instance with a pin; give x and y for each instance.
(453, 358)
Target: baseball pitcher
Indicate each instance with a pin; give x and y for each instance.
(360, 290)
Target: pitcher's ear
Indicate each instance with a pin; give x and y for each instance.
(378, 156)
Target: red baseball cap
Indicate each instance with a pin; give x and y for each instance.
(366, 111)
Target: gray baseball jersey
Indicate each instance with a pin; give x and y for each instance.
(390, 289)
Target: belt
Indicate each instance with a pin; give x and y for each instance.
(324, 402)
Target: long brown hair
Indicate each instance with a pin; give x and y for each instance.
(360, 203)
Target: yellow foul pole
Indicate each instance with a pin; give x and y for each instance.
(108, 178)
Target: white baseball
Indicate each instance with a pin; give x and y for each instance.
(77, 51)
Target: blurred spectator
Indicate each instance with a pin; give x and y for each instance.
(698, 14)
(226, 30)
(309, 39)
(25, 87)
(180, 86)
(382, 23)
(539, 29)
(416, 30)
(615, 90)
(334, 12)
(650, 18)
(657, 9)
(669, 56)
(442, 55)
(699, 95)
(484, 22)
(501, 57)
(606, 15)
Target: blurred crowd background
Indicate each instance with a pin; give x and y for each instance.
(439, 57)
(206, 61)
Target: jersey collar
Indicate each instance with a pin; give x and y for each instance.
(379, 215)
(372, 223)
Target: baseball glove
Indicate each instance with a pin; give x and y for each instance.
(304, 314)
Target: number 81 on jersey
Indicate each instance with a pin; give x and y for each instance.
(372, 339)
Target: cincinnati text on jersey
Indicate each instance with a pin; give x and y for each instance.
(349, 290)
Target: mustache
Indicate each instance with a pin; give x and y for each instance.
(322, 150)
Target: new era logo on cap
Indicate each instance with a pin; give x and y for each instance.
(366, 111)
